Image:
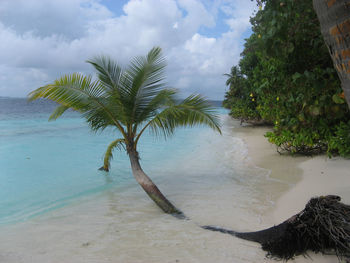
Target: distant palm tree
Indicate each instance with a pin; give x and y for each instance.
(234, 82)
(233, 77)
(132, 100)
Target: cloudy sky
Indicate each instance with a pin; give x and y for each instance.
(41, 40)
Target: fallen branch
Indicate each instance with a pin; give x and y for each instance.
(322, 227)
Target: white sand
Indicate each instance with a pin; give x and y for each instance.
(309, 177)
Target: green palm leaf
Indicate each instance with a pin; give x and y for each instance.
(81, 94)
(58, 112)
(119, 144)
(147, 75)
(108, 72)
(193, 111)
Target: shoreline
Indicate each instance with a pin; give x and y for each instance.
(307, 177)
(212, 182)
(237, 181)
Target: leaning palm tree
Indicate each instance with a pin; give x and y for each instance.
(133, 100)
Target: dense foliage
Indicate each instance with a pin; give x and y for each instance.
(286, 78)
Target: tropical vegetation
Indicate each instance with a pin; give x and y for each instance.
(286, 78)
(132, 100)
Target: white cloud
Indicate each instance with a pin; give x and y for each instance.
(39, 42)
(200, 44)
(59, 17)
(15, 80)
(196, 16)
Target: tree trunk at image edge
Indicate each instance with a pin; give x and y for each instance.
(150, 188)
(334, 17)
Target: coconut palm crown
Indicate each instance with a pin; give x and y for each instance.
(133, 100)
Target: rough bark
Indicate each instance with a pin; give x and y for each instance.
(150, 188)
(334, 17)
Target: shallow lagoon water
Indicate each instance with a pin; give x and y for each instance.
(56, 205)
(45, 164)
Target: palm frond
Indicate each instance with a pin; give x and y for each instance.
(164, 98)
(198, 111)
(119, 144)
(58, 112)
(193, 111)
(80, 93)
(146, 75)
(109, 72)
(75, 91)
(113, 78)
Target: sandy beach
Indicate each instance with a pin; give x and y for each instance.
(124, 226)
(308, 177)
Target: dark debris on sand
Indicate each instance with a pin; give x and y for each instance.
(322, 227)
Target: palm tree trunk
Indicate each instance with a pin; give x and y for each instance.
(334, 17)
(150, 188)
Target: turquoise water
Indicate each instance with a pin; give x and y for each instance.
(47, 165)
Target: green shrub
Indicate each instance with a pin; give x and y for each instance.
(286, 77)
(340, 141)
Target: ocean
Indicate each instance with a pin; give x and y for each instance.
(50, 182)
